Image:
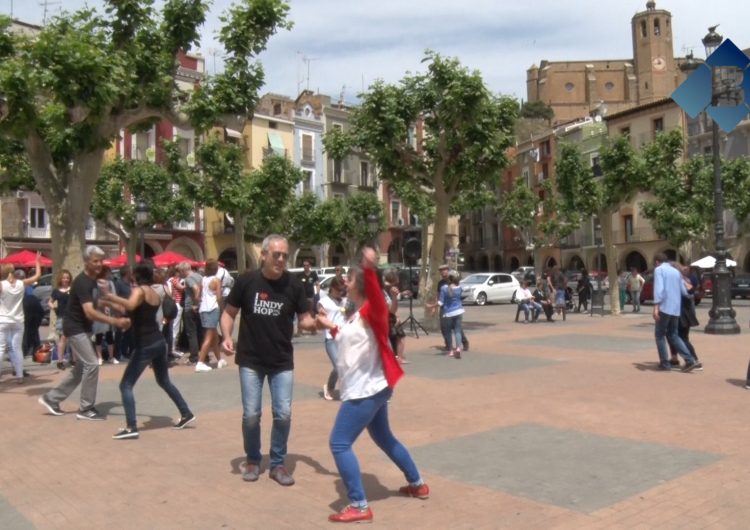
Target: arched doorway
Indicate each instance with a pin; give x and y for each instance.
(746, 263)
(305, 254)
(636, 259)
(498, 265)
(514, 263)
(599, 263)
(336, 254)
(470, 263)
(484, 263)
(551, 262)
(576, 264)
(530, 260)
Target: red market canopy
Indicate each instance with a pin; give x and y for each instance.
(120, 261)
(25, 259)
(169, 259)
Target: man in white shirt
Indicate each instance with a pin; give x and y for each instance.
(526, 301)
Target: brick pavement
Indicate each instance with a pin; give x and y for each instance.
(561, 425)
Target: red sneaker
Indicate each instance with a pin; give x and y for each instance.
(420, 492)
(352, 514)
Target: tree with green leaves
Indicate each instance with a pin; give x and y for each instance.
(541, 221)
(256, 198)
(125, 183)
(537, 110)
(460, 153)
(582, 192)
(345, 220)
(682, 208)
(68, 91)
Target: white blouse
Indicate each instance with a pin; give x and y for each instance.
(358, 364)
(11, 302)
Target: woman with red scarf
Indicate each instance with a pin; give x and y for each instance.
(368, 371)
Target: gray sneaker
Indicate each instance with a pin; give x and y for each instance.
(250, 472)
(92, 415)
(53, 408)
(282, 476)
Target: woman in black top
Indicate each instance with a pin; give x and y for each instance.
(58, 301)
(150, 349)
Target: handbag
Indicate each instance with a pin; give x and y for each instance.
(43, 354)
(168, 307)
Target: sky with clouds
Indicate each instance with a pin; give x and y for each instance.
(347, 44)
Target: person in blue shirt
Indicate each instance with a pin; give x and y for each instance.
(668, 292)
(452, 312)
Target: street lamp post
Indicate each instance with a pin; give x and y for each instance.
(373, 223)
(141, 219)
(722, 315)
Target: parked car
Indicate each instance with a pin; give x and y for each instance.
(325, 282)
(332, 270)
(741, 286)
(482, 288)
(521, 272)
(647, 291)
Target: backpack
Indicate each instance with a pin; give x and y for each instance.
(168, 307)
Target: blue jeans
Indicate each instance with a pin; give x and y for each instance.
(12, 335)
(251, 386)
(454, 326)
(666, 330)
(536, 308)
(353, 417)
(155, 355)
(332, 351)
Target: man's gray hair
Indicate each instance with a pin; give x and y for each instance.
(184, 266)
(91, 251)
(270, 239)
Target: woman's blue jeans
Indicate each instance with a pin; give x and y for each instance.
(353, 417)
(251, 385)
(155, 355)
(332, 351)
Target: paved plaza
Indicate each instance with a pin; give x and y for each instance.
(548, 425)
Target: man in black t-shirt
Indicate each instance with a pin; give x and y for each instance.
(309, 279)
(269, 299)
(77, 329)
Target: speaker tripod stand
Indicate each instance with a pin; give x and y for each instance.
(413, 323)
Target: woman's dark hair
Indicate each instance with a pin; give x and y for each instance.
(144, 273)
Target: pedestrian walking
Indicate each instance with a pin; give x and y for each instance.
(210, 303)
(688, 318)
(12, 291)
(191, 300)
(584, 289)
(334, 306)
(176, 288)
(446, 332)
(150, 349)
(635, 284)
(77, 329)
(368, 372)
(668, 292)
(269, 299)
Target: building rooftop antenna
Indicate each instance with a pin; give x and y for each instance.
(307, 60)
(45, 4)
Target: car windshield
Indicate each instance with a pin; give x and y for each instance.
(475, 278)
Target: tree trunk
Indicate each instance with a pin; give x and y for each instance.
(611, 253)
(67, 198)
(239, 241)
(436, 257)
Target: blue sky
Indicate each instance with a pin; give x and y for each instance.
(350, 43)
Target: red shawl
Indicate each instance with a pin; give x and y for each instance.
(375, 311)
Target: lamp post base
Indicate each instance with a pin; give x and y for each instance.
(721, 315)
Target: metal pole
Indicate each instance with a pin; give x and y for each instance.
(143, 241)
(721, 315)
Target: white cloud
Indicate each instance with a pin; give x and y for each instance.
(353, 42)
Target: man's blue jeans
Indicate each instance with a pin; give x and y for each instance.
(251, 386)
(353, 417)
(666, 330)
